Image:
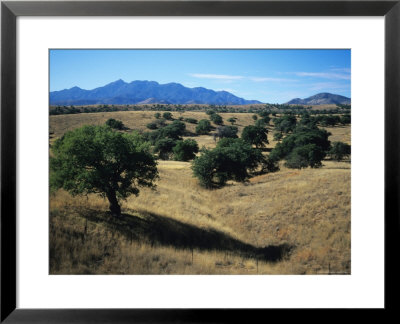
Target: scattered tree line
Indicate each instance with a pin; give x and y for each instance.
(304, 144)
(114, 164)
(272, 108)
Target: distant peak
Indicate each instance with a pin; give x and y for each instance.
(118, 81)
(321, 98)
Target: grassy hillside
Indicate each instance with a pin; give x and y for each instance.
(288, 222)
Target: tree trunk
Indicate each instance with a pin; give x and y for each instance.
(114, 205)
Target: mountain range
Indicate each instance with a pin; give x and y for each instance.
(150, 92)
(321, 99)
(145, 92)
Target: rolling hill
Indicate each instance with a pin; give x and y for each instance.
(321, 99)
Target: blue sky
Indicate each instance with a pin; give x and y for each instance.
(272, 76)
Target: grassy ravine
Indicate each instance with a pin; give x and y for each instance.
(289, 222)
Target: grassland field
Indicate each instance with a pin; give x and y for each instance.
(288, 222)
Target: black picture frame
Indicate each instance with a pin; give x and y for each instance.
(10, 10)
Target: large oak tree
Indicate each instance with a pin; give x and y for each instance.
(97, 159)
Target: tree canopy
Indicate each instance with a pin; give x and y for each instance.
(339, 150)
(96, 159)
(232, 120)
(216, 119)
(116, 124)
(174, 131)
(163, 147)
(185, 150)
(255, 135)
(203, 127)
(232, 159)
(285, 123)
(304, 147)
(226, 131)
(167, 115)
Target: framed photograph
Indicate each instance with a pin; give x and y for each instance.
(197, 160)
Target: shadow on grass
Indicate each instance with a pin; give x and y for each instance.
(266, 149)
(190, 134)
(159, 230)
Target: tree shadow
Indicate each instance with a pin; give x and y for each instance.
(266, 149)
(159, 230)
(188, 133)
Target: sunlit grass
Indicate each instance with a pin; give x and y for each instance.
(307, 210)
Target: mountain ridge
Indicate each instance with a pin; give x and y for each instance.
(323, 98)
(143, 91)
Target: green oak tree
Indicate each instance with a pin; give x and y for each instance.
(232, 159)
(339, 150)
(255, 135)
(99, 160)
(203, 127)
(116, 124)
(216, 119)
(185, 150)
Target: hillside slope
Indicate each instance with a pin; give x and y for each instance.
(321, 99)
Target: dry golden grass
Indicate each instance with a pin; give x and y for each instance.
(182, 228)
(137, 120)
(59, 124)
(339, 134)
(308, 210)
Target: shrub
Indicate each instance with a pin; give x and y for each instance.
(269, 165)
(265, 116)
(260, 123)
(185, 150)
(264, 113)
(308, 121)
(226, 131)
(163, 147)
(278, 136)
(152, 125)
(167, 116)
(173, 131)
(157, 115)
(210, 112)
(345, 119)
(160, 122)
(339, 150)
(177, 126)
(115, 124)
(329, 120)
(232, 120)
(216, 119)
(203, 127)
(191, 120)
(304, 156)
